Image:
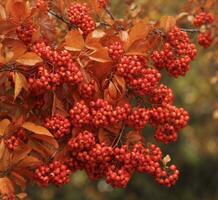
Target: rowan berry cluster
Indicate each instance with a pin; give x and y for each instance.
(12, 142)
(55, 172)
(79, 15)
(203, 18)
(117, 165)
(205, 39)
(176, 54)
(25, 32)
(58, 125)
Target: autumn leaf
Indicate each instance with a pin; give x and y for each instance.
(58, 107)
(22, 195)
(74, 41)
(20, 82)
(29, 58)
(3, 126)
(39, 130)
(18, 180)
(139, 31)
(20, 154)
(166, 23)
(100, 55)
(29, 161)
(134, 137)
(7, 186)
(2, 149)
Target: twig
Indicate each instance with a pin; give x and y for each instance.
(120, 136)
(62, 19)
(110, 14)
(191, 30)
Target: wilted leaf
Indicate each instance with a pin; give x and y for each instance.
(74, 41)
(40, 130)
(166, 159)
(3, 126)
(20, 82)
(29, 58)
(166, 23)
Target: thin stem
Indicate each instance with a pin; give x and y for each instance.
(110, 14)
(120, 136)
(62, 19)
(192, 30)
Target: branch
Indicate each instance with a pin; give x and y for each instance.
(62, 19)
(191, 30)
(120, 136)
(110, 14)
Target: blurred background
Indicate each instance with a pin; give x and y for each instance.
(196, 151)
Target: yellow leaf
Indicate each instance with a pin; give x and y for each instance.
(29, 59)
(74, 41)
(3, 126)
(167, 23)
(20, 82)
(39, 130)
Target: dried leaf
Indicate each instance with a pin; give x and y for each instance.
(47, 139)
(112, 90)
(2, 149)
(39, 130)
(3, 126)
(29, 161)
(166, 23)
(22, 196)
(2, 13)
(20, 154)
(20, 82)
(74, 41)
(134, 137)
(29, 58)
(58, 107)
(100, 55)
(166, 159)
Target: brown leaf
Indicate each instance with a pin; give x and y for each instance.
(22, 196)
(6, 26)
(3, 126)
(138, 31)
(20, 154)
(29, 161)
(74, 41)
(18, 180)
(7, 186)
(100, 55)
(2, 13)
(29, 58)
(47, 139)
(2, 149)
(105, 137)
(166, 23)
(134, 137)
(16, 9)
(39, 130)
(112, 90)
(20, 82)
(58, 107)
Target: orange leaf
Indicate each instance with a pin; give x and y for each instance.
(112, 90)
(16, 9)
(29, 58)
(2, 149)
(100, 55)
(18, 180)
(138, 32)
(20, 154)
(58, 107)
(166, 23)
(6, 26)
(29, 161)
(22, 196)
(20, 82)
(2, 13)
(3, 126)
(74, 41)
(134, 137)
(39, 130)
(47, 139)
(6, 186)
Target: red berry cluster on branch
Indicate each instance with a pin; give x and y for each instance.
(79, 15)
(205, 39)
(25, 32)
(12, 143)
(176, 55)
(58, 125)
(203, 18)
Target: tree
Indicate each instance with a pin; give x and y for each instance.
(78, 86)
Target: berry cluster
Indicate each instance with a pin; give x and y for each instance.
(116, 52)
(79, 15)
(60, 68)
(87, 90)
(203, 18)
(176, 55)
(116, 165)
(205, 39)
(56, 173)
(12, 142)
(102, 3)
(42, 5)
(25, 32)
(168, 120)
(58, 125)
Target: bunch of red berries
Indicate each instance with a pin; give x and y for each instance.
(55, 172)
(58, 125)
(176, 54)
(205, 39)
(203, 18)
(79, 15)
(25, 32)
(12, 142)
